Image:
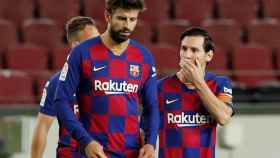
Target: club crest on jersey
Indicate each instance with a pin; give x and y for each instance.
(134, 70)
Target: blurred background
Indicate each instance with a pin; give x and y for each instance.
(247, 38)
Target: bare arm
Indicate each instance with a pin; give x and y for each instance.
(218, 108)
(39, 139)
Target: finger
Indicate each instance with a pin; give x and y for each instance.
(147, 155)
(151, 154)
(143, 156)
(185, 64)
(92, 156)
(101, 154)
(141, 153)
(181, 63)
(192, 67)
(197, 63)
(187, 68)
(191, 64)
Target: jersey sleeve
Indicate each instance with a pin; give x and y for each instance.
(224, 92)
(67, 85)
(150, 119)
(46, 103)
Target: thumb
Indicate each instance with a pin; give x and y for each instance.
(141, 153)
(101, 154)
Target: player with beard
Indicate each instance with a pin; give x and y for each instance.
(110, 74)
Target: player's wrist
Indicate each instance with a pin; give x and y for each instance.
(150, 146)
(86, 141)
(200, 84)
(151, 143)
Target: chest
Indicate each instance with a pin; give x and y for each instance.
(115, 74)
(184, 99)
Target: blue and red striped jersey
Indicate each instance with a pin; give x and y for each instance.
(109, 89)
(187, 130)
(47, 107)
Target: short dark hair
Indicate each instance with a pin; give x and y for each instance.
(112, 5)
(76, 24)
(197, 31)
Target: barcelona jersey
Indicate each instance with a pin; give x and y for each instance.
(109, 89)
(187, 130)
(66, 142)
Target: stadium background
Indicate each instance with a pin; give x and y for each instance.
(247, 37)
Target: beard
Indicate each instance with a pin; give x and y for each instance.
(117, 36)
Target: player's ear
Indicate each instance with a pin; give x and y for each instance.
(209, 55)
(107, 16)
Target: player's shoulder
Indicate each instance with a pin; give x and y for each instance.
(138, 45)
(46, 103)
(53, 81)
(86, 44)
(219, 79)
(142, 49)
(91, 41)
(55, 77)
(166, 80)
(163, 79)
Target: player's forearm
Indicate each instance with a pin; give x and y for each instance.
(149, 123)
(68, 119)
(152, 122)
(39, 142)
(218, 109)
(150, 111)
(38, 149)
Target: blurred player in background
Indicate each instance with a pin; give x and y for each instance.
(193, 101)
(111, 73)
(78, 29)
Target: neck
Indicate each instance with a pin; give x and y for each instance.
(116, 48)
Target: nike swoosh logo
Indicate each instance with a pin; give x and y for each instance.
(171, 101)
(98, 68)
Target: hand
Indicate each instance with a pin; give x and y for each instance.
(147, 151)
(95, 150)
(193, 72)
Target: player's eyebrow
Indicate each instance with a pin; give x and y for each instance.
(185, 47)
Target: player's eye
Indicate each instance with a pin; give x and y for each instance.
(132, 19)
(121, 18)
(194, 50)
(184, 48)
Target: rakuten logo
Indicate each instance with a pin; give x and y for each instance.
(189, 120)
(115, 87)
